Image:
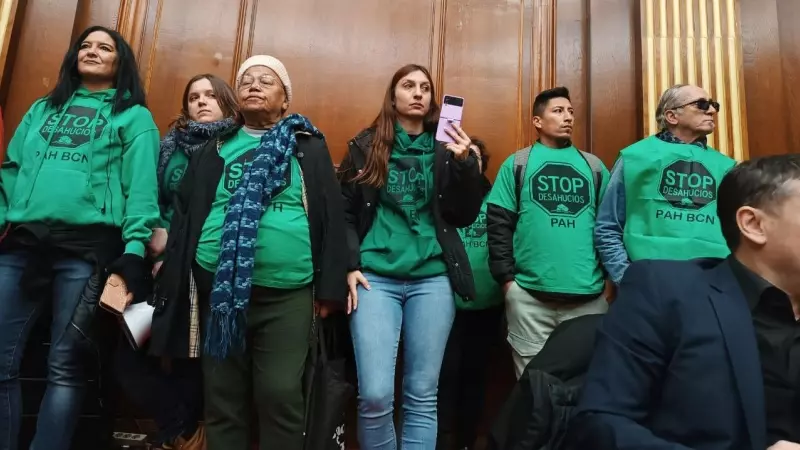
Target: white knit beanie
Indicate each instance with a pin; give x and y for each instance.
(271, 62)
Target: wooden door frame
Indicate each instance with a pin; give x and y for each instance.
(9, 13)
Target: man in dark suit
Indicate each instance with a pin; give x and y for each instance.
(705, 354)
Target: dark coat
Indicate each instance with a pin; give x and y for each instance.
(170, 330)
(676, 364)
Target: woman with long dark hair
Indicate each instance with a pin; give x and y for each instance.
(78, 199)
(172, 393)
(405, 196)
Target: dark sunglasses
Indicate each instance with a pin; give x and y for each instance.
(702, 104)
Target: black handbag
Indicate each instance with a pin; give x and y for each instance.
(328, 392)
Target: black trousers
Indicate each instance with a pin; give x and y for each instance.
(463, 379)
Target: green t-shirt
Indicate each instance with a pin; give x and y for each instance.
(671, 200)
(554, 239)
(402, 241)
(487, 291)
(283, 246)
(173, 174)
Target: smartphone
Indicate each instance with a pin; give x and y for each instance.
(115, 297)
(452, 108)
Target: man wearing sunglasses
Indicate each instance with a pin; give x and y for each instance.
(660, 202)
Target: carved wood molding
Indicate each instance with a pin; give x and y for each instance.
(245, 30)
(138, 21)
(438, 42)
(8, 12)
(537, 57)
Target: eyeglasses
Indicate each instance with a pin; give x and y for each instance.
(263, 80)
(702, 104)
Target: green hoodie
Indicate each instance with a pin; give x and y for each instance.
(402, 242)
(85, 166)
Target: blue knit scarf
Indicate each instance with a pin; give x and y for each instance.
(232, 282)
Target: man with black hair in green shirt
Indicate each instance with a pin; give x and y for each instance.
(541, 217)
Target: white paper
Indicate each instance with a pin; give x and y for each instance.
(136, 322)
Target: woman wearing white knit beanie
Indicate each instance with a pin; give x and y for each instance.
(267, 222)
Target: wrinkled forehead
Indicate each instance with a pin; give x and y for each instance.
(259, 71)
(692, 93)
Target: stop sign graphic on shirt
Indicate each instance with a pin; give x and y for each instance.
(560, 189)
(687, 185)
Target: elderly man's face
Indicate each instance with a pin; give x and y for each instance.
(260, 90)
(694, 112)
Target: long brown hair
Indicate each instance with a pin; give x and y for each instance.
(376, 168)
(225, 97)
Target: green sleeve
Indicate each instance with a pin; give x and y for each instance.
(13, 160)
(165, 204)
(140, 186)
(504, 192)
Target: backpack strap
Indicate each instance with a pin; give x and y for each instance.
(520, 164)
(597, 173)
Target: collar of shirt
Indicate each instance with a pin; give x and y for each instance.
(761, 293)
(667, 136)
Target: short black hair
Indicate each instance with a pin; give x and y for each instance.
(127, 81)
(544, 97)
(758, 183)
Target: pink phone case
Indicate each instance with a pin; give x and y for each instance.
(449, 114)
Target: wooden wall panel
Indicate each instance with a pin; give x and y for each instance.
(342, 56)
(771, 66)
(571, 66)
(8, 13)
(486, 72)
(614, 83)
(175, 43)
(96, 12)
(696, 42)
(45, 36)
(789, 13)
(497, 54)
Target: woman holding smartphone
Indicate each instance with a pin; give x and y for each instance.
(405, 196)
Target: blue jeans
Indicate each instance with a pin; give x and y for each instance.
(423, 310)
(62, 401)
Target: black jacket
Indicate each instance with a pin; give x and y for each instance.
(500, 226)
(170, 330)
(458, 194)
(537, 413)
(98, 245)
